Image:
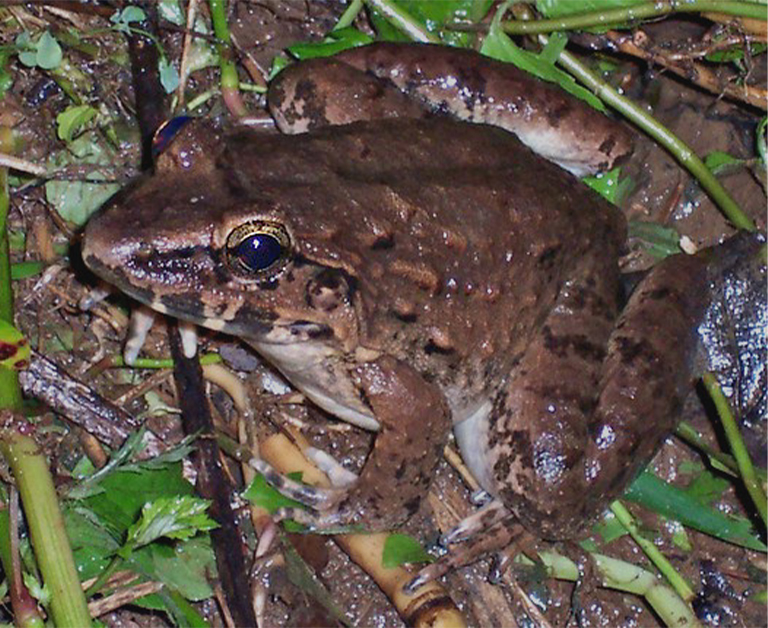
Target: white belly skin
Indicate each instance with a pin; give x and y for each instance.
(471, 430)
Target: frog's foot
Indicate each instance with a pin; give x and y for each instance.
(315, 497)
(493, 539)
(484, 519)
(337, 474)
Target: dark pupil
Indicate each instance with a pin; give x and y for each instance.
(258, 252)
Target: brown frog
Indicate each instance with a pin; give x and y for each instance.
(413, 272)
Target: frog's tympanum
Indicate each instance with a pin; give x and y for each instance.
(422, 270)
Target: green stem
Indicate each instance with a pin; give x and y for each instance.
(643, 10)
(678, 583)
(679, 149)
(29, 466)
(230, 83)
(621, 576)
(117, 361)
(105, 575)
(349, 15)
(403, 21)
(728, 464)
(736, 443)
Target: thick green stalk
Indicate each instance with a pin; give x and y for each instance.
(230, 82)
(677, 148)
(643, 10)
(681, 587)
(29, 466)
(736, 443)
(404, 21)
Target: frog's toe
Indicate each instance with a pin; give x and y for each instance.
(337, 474)
(484, 519)
(502, 534)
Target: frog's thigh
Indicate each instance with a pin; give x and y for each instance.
(415, 422)
(538, 426)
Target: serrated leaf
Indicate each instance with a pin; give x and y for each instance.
(178, 518)
(401, 549)
(126, 492)
(49, 54)
(14, 348)
(72, 119)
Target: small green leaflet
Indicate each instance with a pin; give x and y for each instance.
(659, 241)
(72, 120)
(720, 162)
(179, 518)
(127, 16)
(44, 53)
(14, 348)
(169, 75)
(400, 549)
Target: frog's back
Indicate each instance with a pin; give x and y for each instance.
(458, 236)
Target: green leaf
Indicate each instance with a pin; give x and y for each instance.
(24, 270)
(498, 45)
(735, 53)
(263, 495)
(92, 544)
(179, 517)
(609, 528)
(14, 348)
(125, 493)
(562, 8)
(334, 42)
(27, 50)
(169, 75)
(610, 185)
(400, 549)
(170, 11)
(75, 201)
(658, 240)
(127, 16)
(48, 52)
(674, 503)
(720, 162)
(434, 15)
(183, 566)
(72, 119)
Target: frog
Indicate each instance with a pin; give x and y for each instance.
(420, 270)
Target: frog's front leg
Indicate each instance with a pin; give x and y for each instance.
(414, 424)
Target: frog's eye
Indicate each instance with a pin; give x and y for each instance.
(258, 248)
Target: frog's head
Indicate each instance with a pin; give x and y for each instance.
(190, 243)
